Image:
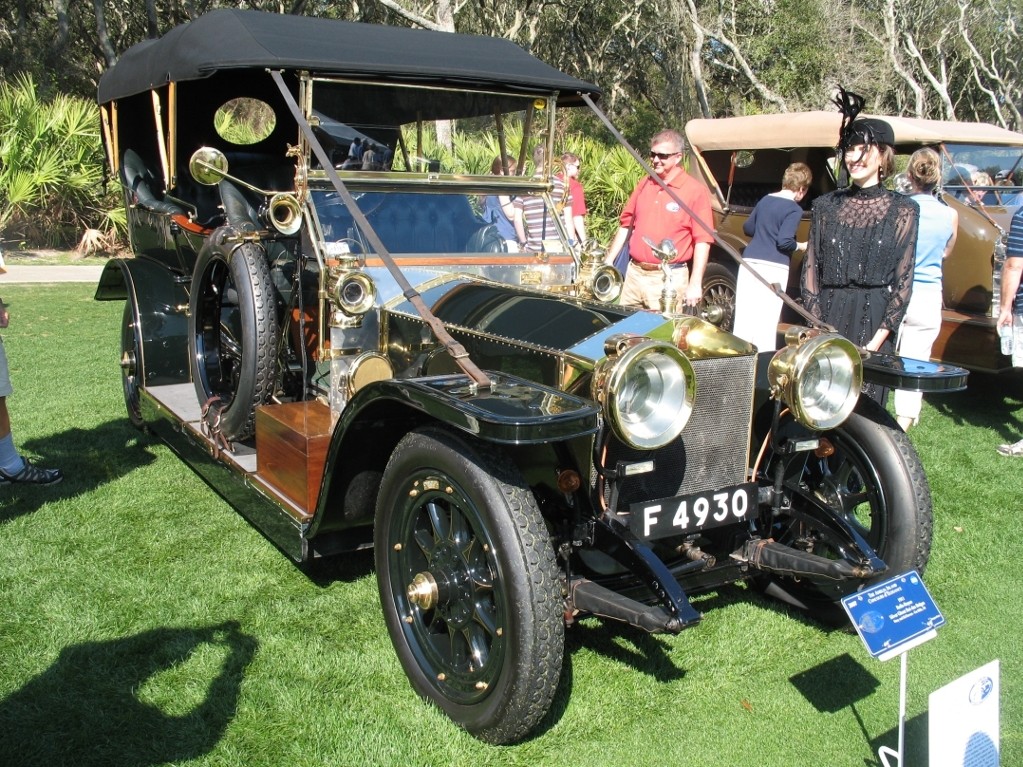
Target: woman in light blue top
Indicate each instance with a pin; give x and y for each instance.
(935, 238)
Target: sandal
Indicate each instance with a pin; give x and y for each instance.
(31, 474)
(1014, 450)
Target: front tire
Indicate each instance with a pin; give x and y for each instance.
(875, 481)
(233, 332)
(469, 584)
(718, 302)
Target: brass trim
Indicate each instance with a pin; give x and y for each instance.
(172, 134)
(161, 136)
(368, 368)
(423, 591)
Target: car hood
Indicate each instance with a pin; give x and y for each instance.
(547, 323)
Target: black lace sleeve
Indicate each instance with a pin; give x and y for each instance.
(809, 282)
(907, 221)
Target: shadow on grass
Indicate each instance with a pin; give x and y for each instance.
(916, 748)
(344, 568)
(650, 654)
(842, 683)
(102, 703)
(838, 684)
(644, 652)
(89, 458)
(988, 401)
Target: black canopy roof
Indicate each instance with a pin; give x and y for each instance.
(238, 39)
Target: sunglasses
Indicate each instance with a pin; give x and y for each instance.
(662, 155)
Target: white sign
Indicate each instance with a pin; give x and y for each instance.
(963, 721)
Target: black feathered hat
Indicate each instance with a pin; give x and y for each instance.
(870, 130)
(860, 130)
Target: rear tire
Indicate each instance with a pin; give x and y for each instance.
(233, 332)
(487, 644)
(132, 363)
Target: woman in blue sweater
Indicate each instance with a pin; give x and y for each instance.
(772, 226)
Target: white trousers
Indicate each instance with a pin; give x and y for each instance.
(916, 337)
(757, 307)
(1017, 340)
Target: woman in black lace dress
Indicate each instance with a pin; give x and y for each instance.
(858, 270)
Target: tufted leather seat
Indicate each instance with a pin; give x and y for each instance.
(137, 177)
(238, 210)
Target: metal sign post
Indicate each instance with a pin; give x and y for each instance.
(891, 618)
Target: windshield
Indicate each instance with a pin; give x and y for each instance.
(382, 127)
(423, 223)
(994, 173)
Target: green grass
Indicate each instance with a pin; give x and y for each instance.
(144, 622)
(49, 258)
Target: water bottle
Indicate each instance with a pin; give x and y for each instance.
(1005, 335)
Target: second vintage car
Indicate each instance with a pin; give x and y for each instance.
(742, 159)
(352, 359)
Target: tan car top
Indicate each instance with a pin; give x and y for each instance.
(820, 129)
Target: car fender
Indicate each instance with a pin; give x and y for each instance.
(160, 300)
(513, 412)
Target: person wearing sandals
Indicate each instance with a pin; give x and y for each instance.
(13, 468)
(1011, 314)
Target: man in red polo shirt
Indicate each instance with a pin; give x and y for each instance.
(652, 213)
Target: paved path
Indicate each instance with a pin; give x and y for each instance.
(19, 273)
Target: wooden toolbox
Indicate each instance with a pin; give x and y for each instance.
(291, 449)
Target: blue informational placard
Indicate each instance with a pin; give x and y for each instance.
(893, 616)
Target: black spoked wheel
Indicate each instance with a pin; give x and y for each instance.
(873, 480)
(132, 370)
(233, 332)
(469, 584)
(719, 296)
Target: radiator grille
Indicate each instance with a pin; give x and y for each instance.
(712, 450)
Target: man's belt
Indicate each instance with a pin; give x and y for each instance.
(647, 267)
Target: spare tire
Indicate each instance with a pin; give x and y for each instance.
(233, 332)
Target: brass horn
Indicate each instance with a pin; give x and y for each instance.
(284, 212)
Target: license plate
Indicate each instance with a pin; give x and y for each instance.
(685, 514)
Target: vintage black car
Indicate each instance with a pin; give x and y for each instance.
(353, 359)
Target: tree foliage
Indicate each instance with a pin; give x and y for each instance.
(671, 59)
(51, 165)
(659, 62)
